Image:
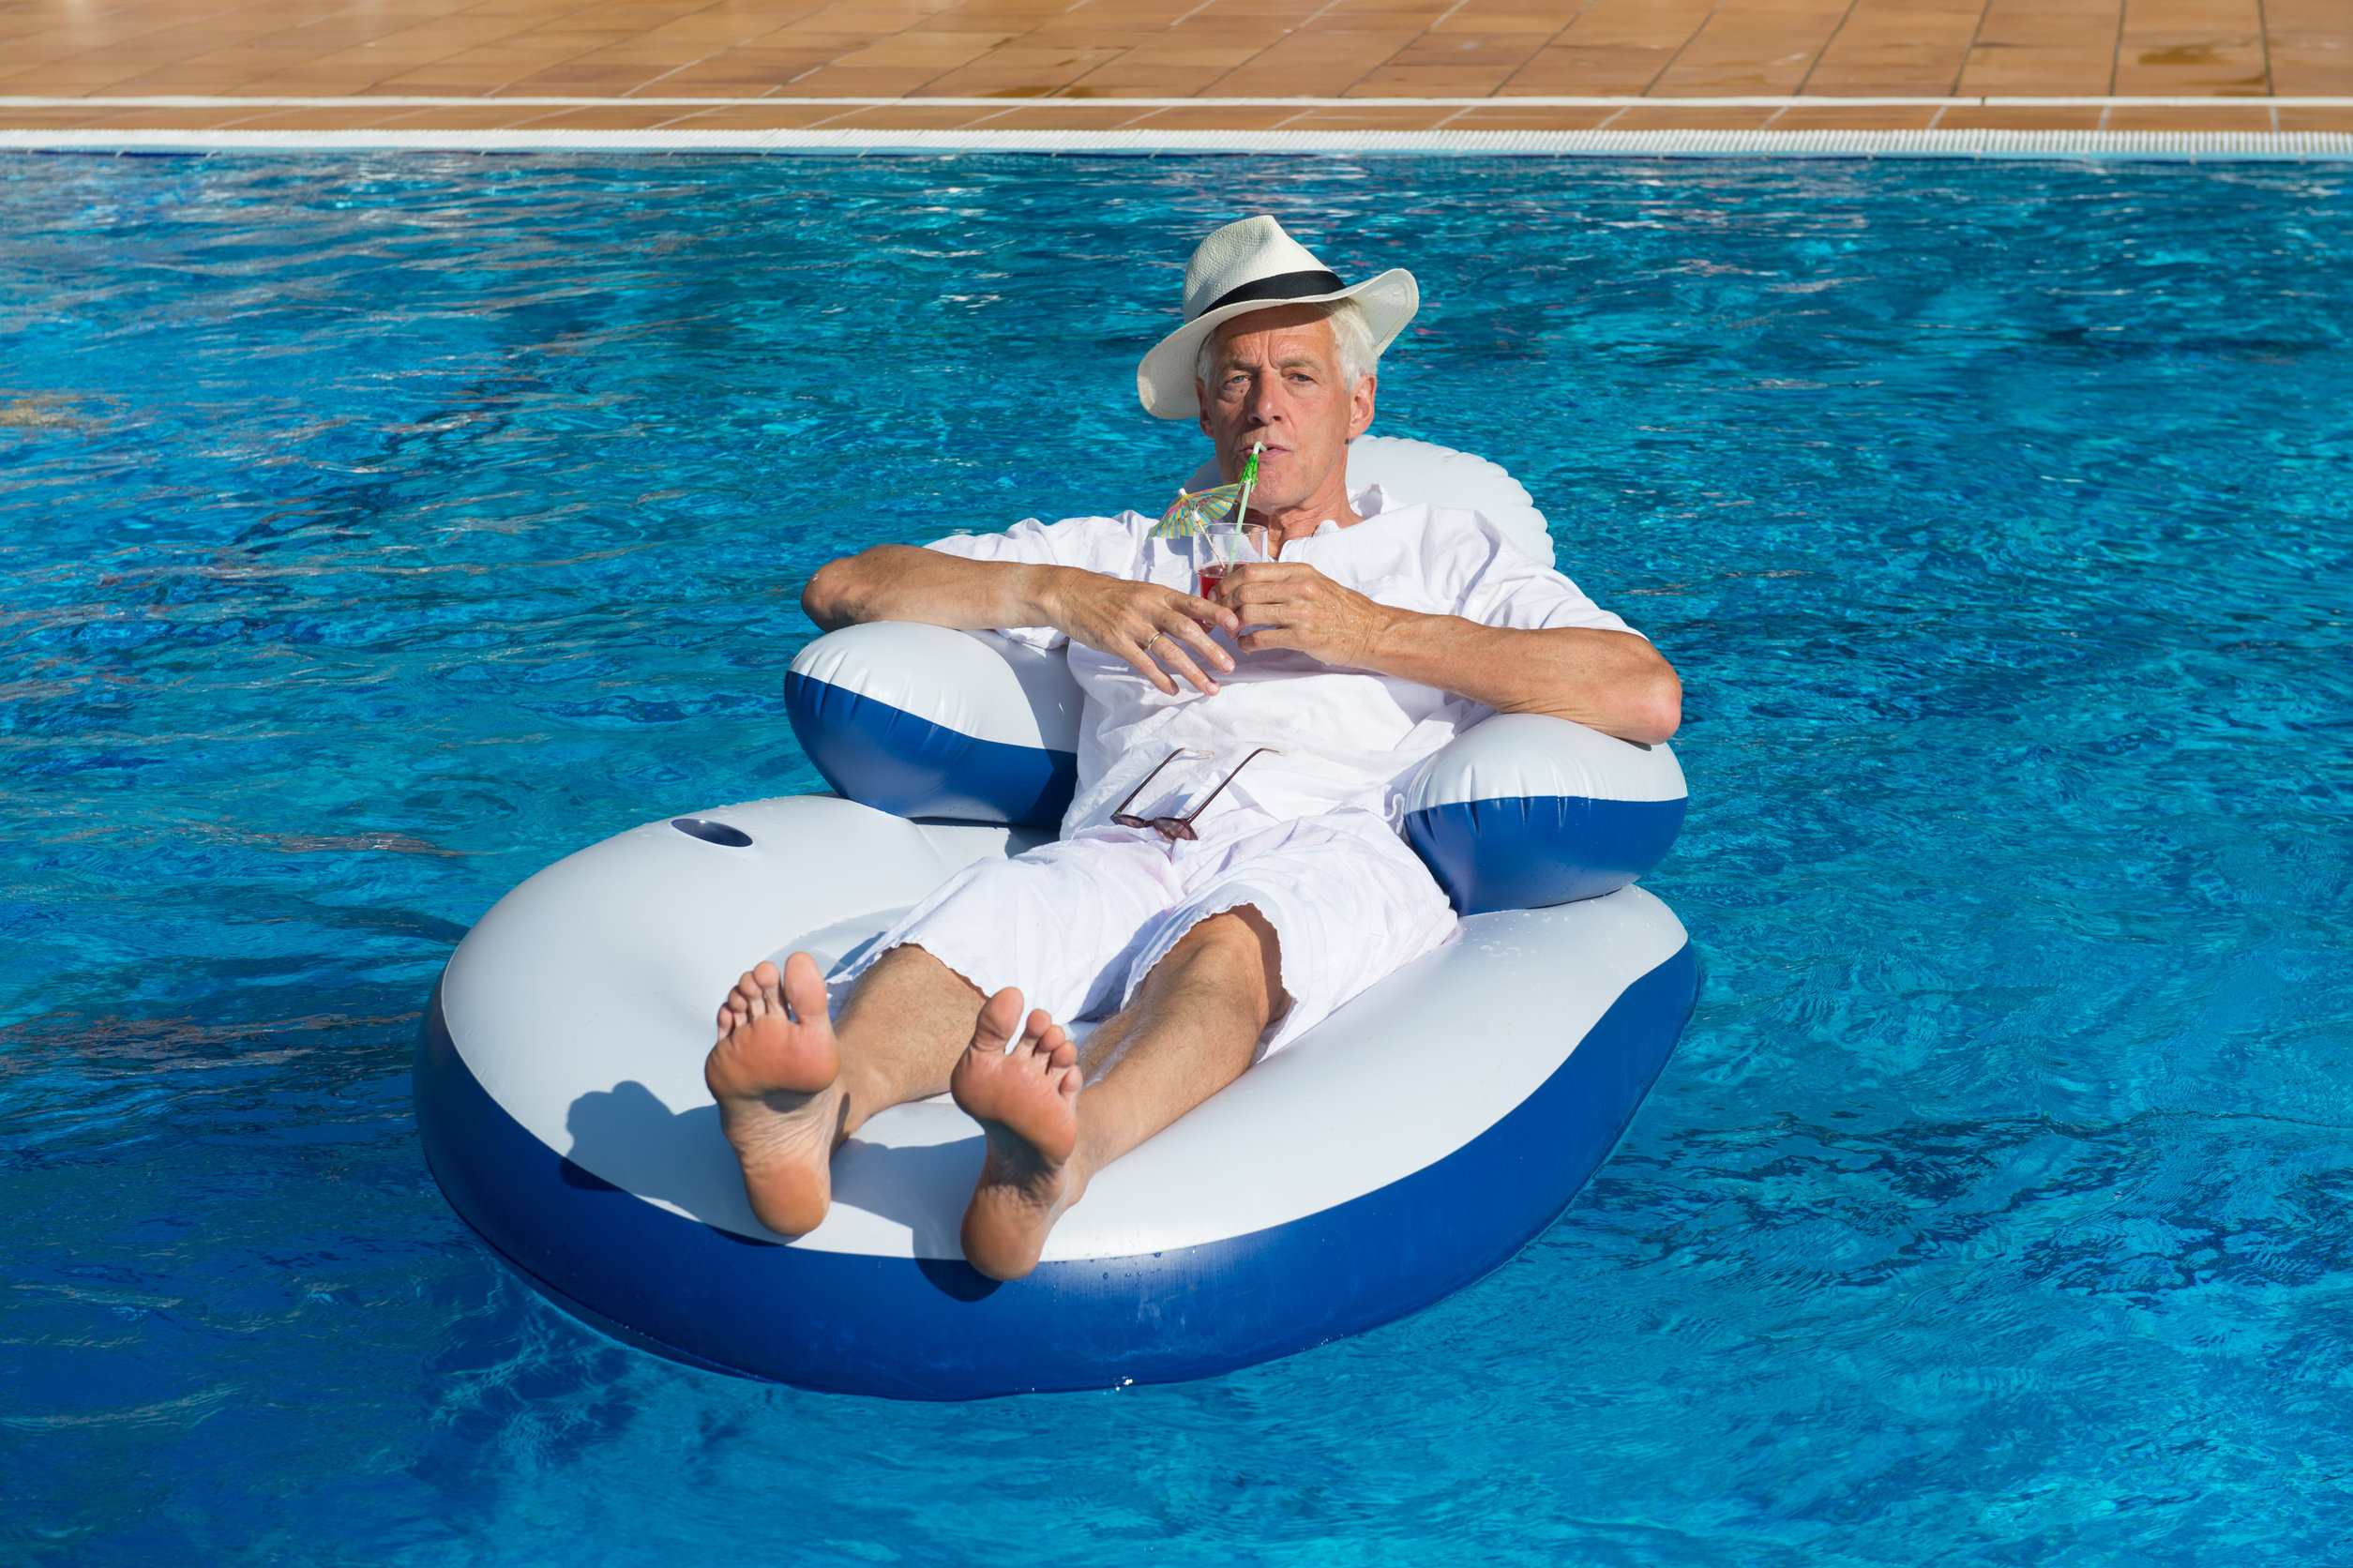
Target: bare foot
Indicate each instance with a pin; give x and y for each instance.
(780, 1105)
(1027, 1100)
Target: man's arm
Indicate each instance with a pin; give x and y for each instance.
(1612, 681)
(1110, 614)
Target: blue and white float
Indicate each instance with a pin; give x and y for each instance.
(1411, 1142)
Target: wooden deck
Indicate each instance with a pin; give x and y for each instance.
(1402, 65)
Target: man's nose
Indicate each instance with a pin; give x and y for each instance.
(1269, 401)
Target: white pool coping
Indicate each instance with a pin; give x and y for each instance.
(2173, 146)
(675, 132)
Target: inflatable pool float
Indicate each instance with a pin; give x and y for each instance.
(1410, 1143)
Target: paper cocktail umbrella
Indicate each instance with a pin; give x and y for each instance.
(1199, 511)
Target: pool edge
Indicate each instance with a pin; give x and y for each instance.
(2164, 146)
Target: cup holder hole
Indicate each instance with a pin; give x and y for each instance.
(712, 833)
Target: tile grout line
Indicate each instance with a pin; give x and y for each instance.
(705, 9)
(1255, 53)
(1968, 55)
(1428, 29)
(163, 26)
(1316, 15)
(2116, 52)
(1551, 38)
(147, 32)
(1713, 12)
(1052, 92)
(471, 7)
(1816, 64)
(1188, 16)
(879, 38)
(1119, 58)
(361, 8)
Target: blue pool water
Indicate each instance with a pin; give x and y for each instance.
(378, 530)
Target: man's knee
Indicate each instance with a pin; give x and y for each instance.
(1245, 941)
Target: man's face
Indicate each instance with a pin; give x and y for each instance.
(1275, 378)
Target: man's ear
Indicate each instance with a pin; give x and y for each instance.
(1360, 413)
(1200, 396)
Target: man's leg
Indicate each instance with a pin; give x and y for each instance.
(1191, 1028)
(791, 1088)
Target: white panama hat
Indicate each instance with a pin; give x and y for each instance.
(1254, 266)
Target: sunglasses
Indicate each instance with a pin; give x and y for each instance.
(1174, 828)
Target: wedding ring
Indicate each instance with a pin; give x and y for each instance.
(1155, 637)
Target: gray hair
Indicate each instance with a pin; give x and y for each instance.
(1351, 333)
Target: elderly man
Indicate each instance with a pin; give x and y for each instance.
(1230, 871)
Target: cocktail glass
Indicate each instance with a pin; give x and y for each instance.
(1219, 550)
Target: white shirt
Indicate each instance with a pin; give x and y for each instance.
(1348, 738)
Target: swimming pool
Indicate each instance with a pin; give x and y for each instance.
(378, 530)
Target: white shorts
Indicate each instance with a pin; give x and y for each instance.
(1076, 925)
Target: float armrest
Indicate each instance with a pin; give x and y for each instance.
(1521, 811)
(924, 721)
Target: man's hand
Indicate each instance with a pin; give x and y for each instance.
(1143, 623)
(1289, 604)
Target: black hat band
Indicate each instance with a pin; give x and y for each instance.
(1283, 285)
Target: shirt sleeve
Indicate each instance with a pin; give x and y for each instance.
(1511, 590)
(1106, 545)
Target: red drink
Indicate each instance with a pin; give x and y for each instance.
(1211, 578)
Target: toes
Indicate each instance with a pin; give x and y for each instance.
(1072, 1080)
(804, 986)
(797, 992)
(1000, 1017)
(1057, 1049)
(734, 1012)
